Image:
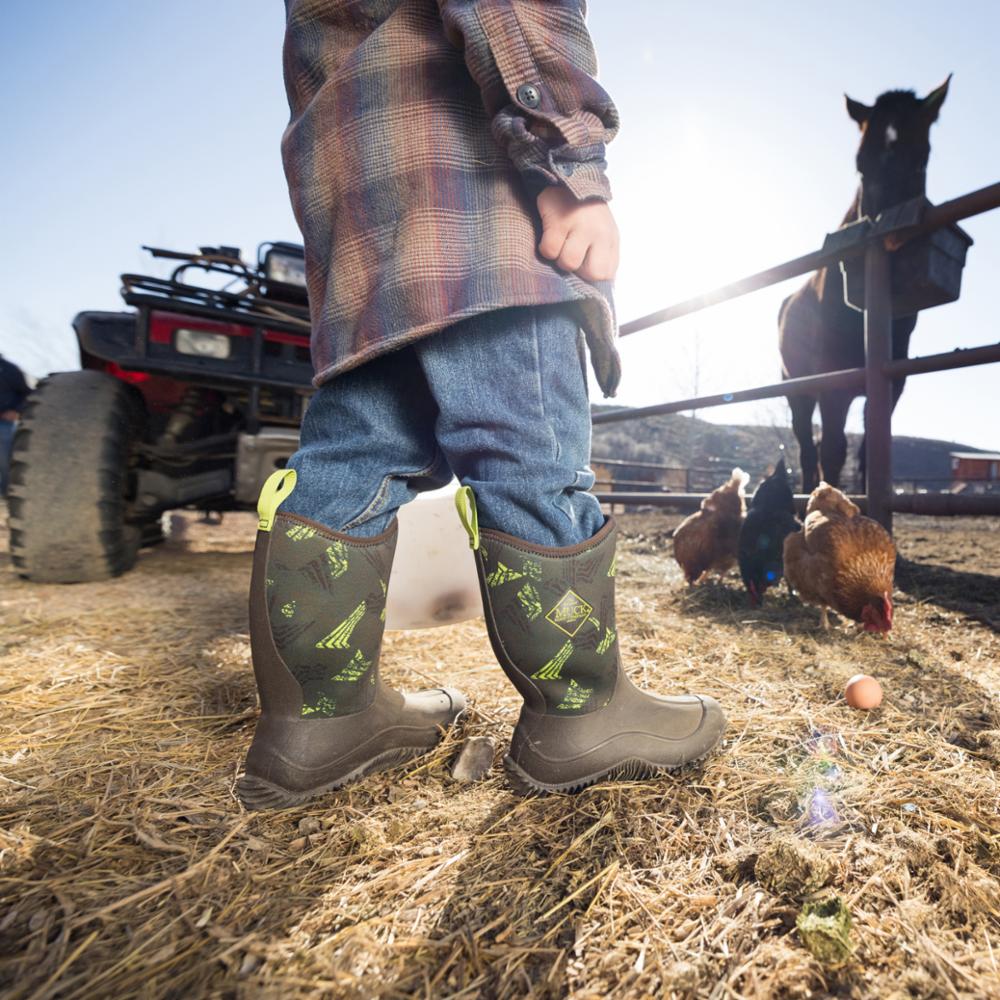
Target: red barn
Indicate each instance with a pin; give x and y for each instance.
(975, 467)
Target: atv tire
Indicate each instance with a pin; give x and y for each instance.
(69, 479)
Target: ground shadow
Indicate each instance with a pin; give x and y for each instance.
(727, 602)
(534, 871)
(976, 595)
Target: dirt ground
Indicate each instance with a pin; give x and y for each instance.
(128, 869)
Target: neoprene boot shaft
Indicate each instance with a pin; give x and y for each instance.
(326, 609)
(551, 615)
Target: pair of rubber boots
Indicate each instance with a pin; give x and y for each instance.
(317, 614)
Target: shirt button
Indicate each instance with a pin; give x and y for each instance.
(528, 95)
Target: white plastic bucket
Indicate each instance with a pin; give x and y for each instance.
(433, 579)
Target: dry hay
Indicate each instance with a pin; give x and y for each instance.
(128, 869)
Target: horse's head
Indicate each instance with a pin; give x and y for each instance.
(895, 145)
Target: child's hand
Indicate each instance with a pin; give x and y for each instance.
(579, 236)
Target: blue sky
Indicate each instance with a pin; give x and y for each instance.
(140, 121)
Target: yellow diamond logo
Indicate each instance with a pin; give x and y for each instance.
(570, 612)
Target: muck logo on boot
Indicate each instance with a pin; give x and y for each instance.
(570, 613)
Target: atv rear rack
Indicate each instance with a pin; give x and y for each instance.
(245, 306)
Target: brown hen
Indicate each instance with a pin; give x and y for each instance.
(843, 561)
(707, 540)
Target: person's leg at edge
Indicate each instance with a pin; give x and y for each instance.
(317, 595)
(7, 429)
(514, 424)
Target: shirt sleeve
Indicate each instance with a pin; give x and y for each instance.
(535, 65)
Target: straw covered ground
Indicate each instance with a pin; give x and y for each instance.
(127, 868)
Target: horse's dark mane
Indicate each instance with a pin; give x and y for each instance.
(899, 98)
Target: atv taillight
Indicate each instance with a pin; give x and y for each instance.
(133, 378)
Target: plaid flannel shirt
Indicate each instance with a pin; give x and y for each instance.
(420, 133)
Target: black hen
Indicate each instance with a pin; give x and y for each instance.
(770, 517)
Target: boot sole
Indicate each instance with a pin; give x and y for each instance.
(257, 793)
(632, 769)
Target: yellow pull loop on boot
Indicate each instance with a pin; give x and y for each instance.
(278, 486)
(465, 504)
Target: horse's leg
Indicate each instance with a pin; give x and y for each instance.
(802, 423)
(833, 407)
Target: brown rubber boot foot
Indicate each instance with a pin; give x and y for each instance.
(630, 770)
(638, 736)
(291, 760)
(257, 793)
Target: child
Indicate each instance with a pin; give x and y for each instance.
(446, 165)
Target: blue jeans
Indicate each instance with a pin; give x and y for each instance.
(7, 428)
(498, 400)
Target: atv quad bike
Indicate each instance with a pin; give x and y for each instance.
(191, 399)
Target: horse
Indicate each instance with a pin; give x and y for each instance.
(817, 330)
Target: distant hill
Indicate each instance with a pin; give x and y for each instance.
(715, 449)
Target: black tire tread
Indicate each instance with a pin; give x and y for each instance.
(67, 507)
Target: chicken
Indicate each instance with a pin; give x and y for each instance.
(706, 541)
(843, 561)
(770, 519)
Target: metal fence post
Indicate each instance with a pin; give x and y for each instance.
(878, 385)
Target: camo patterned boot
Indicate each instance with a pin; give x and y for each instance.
(317, 614)
(550, 614)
